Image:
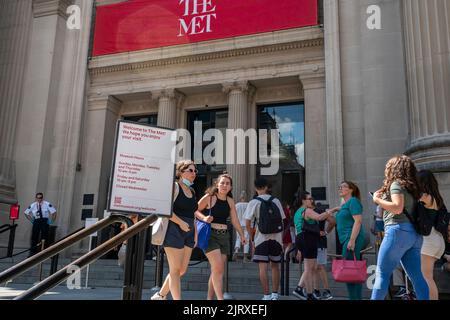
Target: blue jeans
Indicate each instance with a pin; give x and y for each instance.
(401, 243)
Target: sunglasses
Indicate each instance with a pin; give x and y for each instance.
(39, 198)
(191, 171)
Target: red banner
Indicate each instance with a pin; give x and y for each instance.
(144, 24)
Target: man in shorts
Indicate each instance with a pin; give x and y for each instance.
(268, 247)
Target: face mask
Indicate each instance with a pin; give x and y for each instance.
(187, 182)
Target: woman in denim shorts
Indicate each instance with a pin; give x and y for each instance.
(181, 235)
(219, 206)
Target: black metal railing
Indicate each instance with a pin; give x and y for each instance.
(133, 268)
(55, 258)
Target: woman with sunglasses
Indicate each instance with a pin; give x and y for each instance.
(181, 235)
(350, 231)
(220, 206)
(307, 228)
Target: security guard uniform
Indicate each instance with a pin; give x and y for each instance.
(41, 219)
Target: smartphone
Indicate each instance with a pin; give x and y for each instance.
(371, 193)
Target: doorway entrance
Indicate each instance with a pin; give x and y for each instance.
(210, 119)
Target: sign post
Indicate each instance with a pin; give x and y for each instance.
(88, 223)
(142, 182)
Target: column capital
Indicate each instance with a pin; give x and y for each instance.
(110, 103)
(168, 94)
(312, 81)
(241, 86)
(312, 75)
(42, 8)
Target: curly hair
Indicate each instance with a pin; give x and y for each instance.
(401, 169)
(213, 190)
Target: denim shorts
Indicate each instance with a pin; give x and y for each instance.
(177, 238)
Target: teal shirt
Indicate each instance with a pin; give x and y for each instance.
(344, 219)
(298, 220)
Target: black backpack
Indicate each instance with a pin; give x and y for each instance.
(270, 220)
(422, 221)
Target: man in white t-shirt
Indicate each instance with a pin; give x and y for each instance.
(268, 247)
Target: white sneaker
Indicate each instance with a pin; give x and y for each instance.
(275, 296)
(267, 297)
(157, 296)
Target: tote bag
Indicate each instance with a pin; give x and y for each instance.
(349, 271)
(203, 231)
(159, 228)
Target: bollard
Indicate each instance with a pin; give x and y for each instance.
(159, 269)
(282, 275)
(40, 265)
(227, 295)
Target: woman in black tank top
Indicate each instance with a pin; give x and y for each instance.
(215, 208)
(180, 236)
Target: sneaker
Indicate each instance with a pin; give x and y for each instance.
(157, 296)
(400, 293)
(275, 296)
(316, 294)
(267, 297)
(299, 292)
(326, 295)
(311, 296)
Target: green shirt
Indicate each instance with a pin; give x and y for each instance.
(298, 220)
(344, 219)
(391, 218)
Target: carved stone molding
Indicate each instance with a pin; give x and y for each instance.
(209, 56)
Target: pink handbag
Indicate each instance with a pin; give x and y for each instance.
(349, 271)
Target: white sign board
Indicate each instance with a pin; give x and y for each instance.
(90, 222)
(143, 171)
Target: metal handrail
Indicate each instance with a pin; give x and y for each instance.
(54, 261)
(88, 258)
(29, 263)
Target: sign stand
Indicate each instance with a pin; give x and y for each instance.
(89, 222)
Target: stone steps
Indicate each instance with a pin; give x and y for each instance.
(244, 277)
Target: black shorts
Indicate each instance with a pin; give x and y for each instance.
(269, 250)
(177, 238)
(308, 243)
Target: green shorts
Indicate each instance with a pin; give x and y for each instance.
(219, 240)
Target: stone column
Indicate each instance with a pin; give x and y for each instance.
(335, 140)
(169, 100)
(316, 157)
(15, 24)
(101, 120)
(427, 42)
(238, 102)
(42, 89)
